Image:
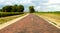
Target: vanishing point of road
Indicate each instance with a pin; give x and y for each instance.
(30, 24)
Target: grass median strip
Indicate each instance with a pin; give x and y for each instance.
(8, 18)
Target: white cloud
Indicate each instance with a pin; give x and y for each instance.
(25, 1)
(53, 1)
(38, 8)
(7, 2)
(39, 4)
(12, 2)
(2, 1)
(54, 7)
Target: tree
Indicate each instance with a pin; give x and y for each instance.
(0, 10)
(7, 9)
(20, 8)
(14, 8)
(31, 9)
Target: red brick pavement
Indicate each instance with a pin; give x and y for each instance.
(30, 24)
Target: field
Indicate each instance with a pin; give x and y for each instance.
(7, 16)
(52, 16)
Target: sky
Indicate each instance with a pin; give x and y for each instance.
(39, 5)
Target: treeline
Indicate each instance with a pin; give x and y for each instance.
(10, 10)
(16, 8)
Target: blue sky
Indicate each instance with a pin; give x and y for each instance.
(40, 5)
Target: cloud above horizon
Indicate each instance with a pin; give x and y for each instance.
(40, 5)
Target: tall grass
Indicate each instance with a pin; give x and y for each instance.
(4, 14)
(48, 12)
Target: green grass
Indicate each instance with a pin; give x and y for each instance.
(8, 18)
(48, 12)
(4, 14)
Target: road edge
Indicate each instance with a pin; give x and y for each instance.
(51, 22)
(11, 22)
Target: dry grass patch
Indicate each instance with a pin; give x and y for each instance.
(55, 18)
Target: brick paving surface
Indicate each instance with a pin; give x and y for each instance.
(30, 24)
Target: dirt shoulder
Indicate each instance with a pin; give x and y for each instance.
(11, 22)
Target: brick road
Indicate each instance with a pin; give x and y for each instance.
(30, 24)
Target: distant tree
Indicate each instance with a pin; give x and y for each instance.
(20, 8)
(7, 9)
(0, 10)
(4, 9)
(31, 9)
(14, 8)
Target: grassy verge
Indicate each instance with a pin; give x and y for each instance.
(4, 14)
(8, 18)
(52, 16)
